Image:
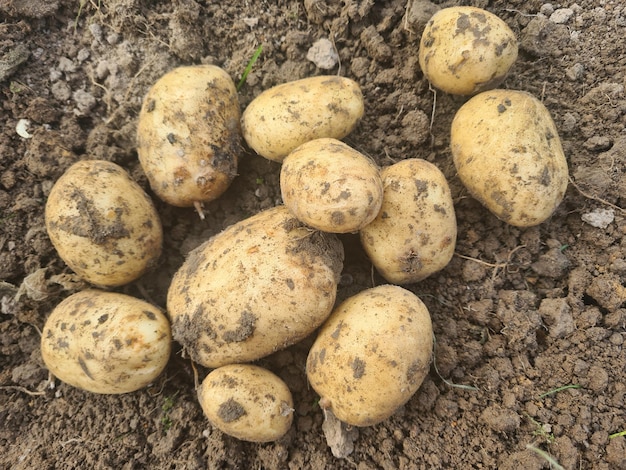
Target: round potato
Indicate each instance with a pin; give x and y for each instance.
(508, 155)
(188, 135)
(247, 402)
(414, 234)
(102, 224)
(465, 50)
(330, 186)
(371, 355)
(259, 286)
(288, 115)
(105, 342)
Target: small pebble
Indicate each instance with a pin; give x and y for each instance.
(322, 53)
(562, 15)
(599, 218)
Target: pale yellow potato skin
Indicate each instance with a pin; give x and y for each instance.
(414, 234)
(465, 50)
(508, 154)
(103, 224)
(261, 285)
(247, 402)
(105, 342)
(288, 115)
(330, 186)
(188, 135)
(371, 355)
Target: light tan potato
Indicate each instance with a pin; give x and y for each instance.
(288, 115)
(188, 135)
(102, 224)
(465, 50)
(247, 402)
(371, 355)
(105, 342)
(330, 186)
(259, 286)
(508, 154)
(414, 234)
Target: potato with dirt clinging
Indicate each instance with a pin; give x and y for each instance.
(102, 224)
(105, 342)
(508, 155)
(288, 115)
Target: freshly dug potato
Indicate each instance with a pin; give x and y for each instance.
(259, 286)
(105, 342)
(103, 225)
(508, 154)
(188, 136)
(465, 50)
(414, 234)
(371, 355)
(330, 186)
(247, 402)
(288, 115)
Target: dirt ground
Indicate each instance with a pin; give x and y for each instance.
(529, 323)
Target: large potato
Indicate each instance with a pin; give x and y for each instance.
(371, 355)
(288, 115)
(105, 342)
(508, 154)
(465, 50)
(414, 234)
(247, 402)
(103, 225)
(259, 286)
(330, 186)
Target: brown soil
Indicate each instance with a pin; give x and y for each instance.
(517, 313)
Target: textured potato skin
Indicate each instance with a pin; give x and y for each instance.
(247, 402)
(102, 224)
(414, 234)
(330, 186)
(288, 115)
(371, 355)
(188, 135)
(508, 154)
(259, 286)
(105, 342)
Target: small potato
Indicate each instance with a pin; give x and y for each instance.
(508, 154)
(102, 224)
(288, 115)
(371, 355)
(105, 342)
(465, 50)
(247, 402)
(188, 136)
(414, 234)
(330, 186)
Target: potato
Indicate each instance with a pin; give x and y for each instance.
(414, 234)
(508, 154)
(188, 135)
(105, 342)
(288, 115)
(330, 186)
(247, 402)
(102, 224)
(465, 50)
(371, 355)
(259, 286)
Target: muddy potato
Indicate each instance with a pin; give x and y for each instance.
(330, 186)
(105, 342)
(288, 115)
(508, 154)
(465, 50)
(414, 234)
(102, 224)
(259, 286)
(247, 402)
